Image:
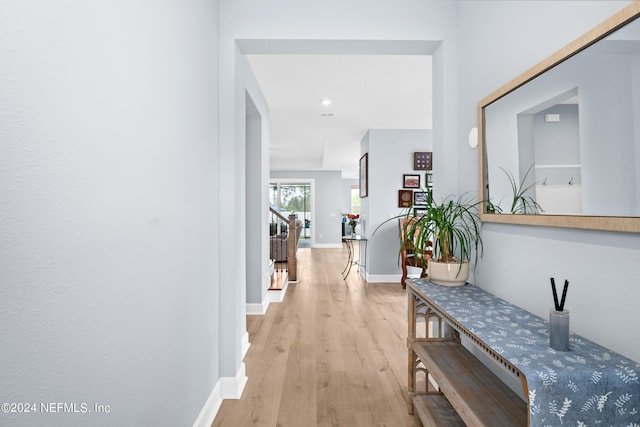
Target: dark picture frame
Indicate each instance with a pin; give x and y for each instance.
(418, 211)
(420, 198)
(405, 198)
(422, 160)
(410, 181)
(428, 179)
(364, 175)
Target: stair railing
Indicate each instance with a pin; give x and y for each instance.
(292, 243)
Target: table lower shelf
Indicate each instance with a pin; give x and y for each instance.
(470, 389)
(435, 410)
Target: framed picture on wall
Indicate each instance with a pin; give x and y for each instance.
(405, 198)
(364, 175)
(410, 181)
(418, 211)
(420, 198)
(428, 179)
(422, 160)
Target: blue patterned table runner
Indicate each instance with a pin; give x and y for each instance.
(587, 386)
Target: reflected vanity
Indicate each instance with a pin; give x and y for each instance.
(568, 131)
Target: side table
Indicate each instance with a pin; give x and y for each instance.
(348, 240)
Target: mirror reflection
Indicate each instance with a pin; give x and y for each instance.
(568, 141)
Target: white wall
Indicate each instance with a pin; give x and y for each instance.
(257, 265)
(558, 190)
(635, 84)
(109, 212)
(345, 199)
(607, 141)
(326, 204)
(603, 268)
(390, 157)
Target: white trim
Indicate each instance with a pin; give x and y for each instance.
(232, 387)
(210, 408)
(383, 278)
(245, 344)
(556, 166)
(260, 309)
(225, 388)
(327, 246)
(278, 296)
(392, 278)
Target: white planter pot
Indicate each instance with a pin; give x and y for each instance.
(448, 274)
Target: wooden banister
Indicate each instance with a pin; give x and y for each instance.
(292, 243)
(292, 259)
(278, 214)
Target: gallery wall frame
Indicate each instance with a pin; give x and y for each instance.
(422, 160)
(411, 181)
(418, 211)
(405, 198)
(420, 198)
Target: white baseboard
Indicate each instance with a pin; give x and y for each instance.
(245, 344)
(271, 296)
(232, 387)
(258, 308)
(278, 296)
(389, 278)
(327, 246)
(225, 388)
(383, 278)
(210, 408)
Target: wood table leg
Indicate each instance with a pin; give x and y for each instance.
(411, 336)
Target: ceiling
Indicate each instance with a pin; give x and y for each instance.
(366, 92)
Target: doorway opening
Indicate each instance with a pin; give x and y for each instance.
(294, 197)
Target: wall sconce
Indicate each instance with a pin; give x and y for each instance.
(473, 137)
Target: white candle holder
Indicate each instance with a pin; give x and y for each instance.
(559, 329)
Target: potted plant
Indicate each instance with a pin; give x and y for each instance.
(451, 230)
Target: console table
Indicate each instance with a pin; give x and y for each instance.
(348, 240)
(588, 385)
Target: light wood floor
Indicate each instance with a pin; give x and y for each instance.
(333, 353)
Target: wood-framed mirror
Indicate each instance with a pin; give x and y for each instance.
(559, 145)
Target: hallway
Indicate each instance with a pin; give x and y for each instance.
(333, 353)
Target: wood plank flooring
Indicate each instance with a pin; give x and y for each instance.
(333, 353)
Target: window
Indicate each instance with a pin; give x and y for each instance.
(355, 199)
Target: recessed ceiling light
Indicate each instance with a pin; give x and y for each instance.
(326, 102)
